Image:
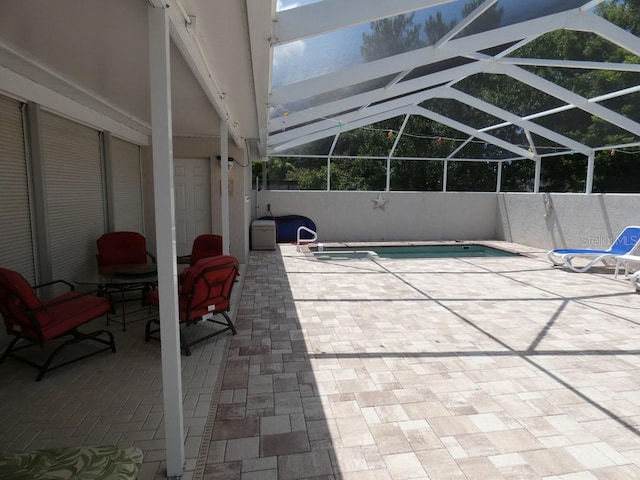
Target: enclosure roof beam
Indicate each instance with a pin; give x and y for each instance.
(423, 56)
(330, 128)
(260, 16)
(514, 120)
(345, 120)
(589, 22)
(355, 101)
(471, 131)
(542, 62)
(569, 97)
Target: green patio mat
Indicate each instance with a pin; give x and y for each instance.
(77, 463)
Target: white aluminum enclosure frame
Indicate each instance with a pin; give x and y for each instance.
(298, 127)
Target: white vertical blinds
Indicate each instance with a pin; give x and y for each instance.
(126, 188)
(16, 244)
(75, 198)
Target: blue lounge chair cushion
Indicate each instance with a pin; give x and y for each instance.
(626, 243)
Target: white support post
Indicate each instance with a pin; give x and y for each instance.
(331, 150)
(387, 186)
(536, 181)
(499, 179)
(590, 167)
(224, 183)
(444, 175)
(328, 174)
(162, 142)
(264, 175)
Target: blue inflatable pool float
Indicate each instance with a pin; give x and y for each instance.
(287, 227)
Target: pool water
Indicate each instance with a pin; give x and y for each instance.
(410, 251)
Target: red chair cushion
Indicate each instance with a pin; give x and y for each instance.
(206, 287)
(17, 298)
(16, 283)
(152, 298)
(205, 246)
(26, 315)
(71, 310)
(220, 304)
(121, 248)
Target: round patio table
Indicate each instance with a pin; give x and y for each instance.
(117, 281)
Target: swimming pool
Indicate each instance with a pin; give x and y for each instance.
(408, 251)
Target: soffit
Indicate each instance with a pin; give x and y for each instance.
(96, 53)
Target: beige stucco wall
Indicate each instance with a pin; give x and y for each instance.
(239, 191)
(351, 216)
(575, 221)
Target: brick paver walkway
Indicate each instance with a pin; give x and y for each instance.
(470, 368)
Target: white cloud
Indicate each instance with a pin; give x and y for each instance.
(288, 52)
(289, 4)
(286, 5)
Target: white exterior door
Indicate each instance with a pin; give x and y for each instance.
(192, 185)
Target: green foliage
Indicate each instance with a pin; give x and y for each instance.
(435, 28)
(416, 175)
(358, 174)
(399, 35)
(517, 176)
(471, 176)
(567, 173)
(616, 172)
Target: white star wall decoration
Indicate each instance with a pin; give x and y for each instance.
(379, 202)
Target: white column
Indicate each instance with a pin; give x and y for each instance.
(387, 186)
(328, 174)
(499, 178)
(264, 175)
(224, 183)
(162, 143)
(590, 167)
(445, 175)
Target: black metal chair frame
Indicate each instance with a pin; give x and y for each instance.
(152, 333)
(76, 337)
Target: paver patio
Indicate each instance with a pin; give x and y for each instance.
(470, 368)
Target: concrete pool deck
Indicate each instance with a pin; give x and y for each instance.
(470, 368)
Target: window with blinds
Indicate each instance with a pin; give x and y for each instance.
(126, 188)
(75, 196)
(16, 244)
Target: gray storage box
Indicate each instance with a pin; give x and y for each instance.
(263, 235)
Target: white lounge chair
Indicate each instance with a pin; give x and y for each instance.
(627, 242)
(635, 280)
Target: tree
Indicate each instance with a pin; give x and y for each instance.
(391, 36)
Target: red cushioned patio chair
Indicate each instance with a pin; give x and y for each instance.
(207, 245)
(119, 250)
(122, 248)
(36, 322)
(203, 295)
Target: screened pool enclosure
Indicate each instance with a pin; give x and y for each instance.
(464, 95)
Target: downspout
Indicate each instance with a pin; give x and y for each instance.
(224, 183)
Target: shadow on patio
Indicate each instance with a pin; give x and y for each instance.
(468, 368)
